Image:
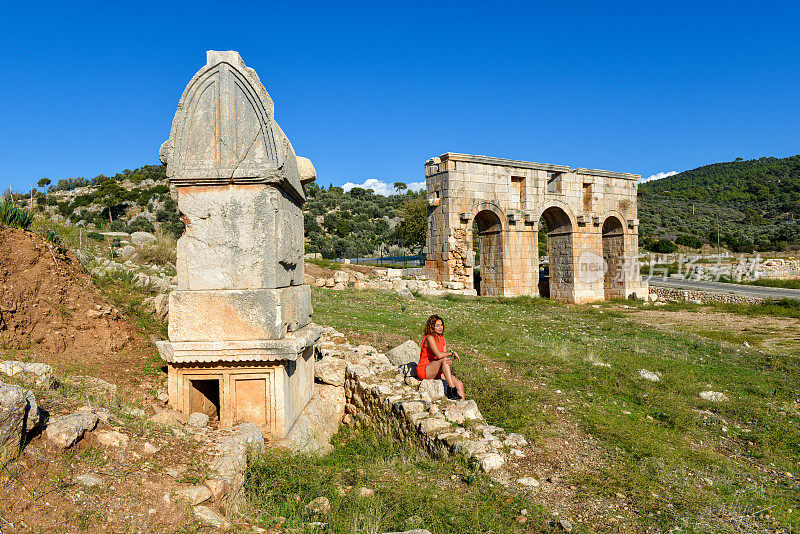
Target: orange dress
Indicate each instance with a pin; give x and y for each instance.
(426, 356)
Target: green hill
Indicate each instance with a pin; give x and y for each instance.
(337, 223)
(755, 204)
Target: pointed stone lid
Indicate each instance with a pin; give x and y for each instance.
(224, 131)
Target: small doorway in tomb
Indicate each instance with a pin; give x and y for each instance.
(204, 397)
(614, 257)
(487, 232)
(556, 271)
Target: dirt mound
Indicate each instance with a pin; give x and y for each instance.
(49, 305)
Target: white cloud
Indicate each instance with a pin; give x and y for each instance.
(382, 188)
(658, 176)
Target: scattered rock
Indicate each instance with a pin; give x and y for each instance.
(40, 374)
(67, 430)
(217, 486)
(198, 420)
(565, 525)
(89, 480)
(169, 418)
(433, 388)
(461, 411)
(366, 492)
(162, 396)
(194, 494)
(161, 306)
(713, 396)
(405, 353)
(649, 375)
(404, 292)
(330, 370)
(319, 506)
(414, 531)
(111, 438)
(490, 461)
(142, 238)
(137, 412)
(528, 481)
(149, 449)
(13, 406)
(126, 252)
(96, 387)
(412, 381)
(231, 446)
(318, 422)
(515, 440)
(209, 517)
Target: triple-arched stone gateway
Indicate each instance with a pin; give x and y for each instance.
(592, 229)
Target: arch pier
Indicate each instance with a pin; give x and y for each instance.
(591, 219)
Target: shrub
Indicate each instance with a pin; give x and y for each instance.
(691, 241)
(162, 252)
(117, 226)
(140, 224)
(11, 215)
(663, 246)
(95, 235)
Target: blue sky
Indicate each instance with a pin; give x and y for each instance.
(372, 90)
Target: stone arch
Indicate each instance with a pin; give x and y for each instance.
(614, 256)
(560, 249)
(490, 225)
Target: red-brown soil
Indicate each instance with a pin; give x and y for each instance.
(52, 313)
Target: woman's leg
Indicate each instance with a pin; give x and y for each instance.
(440, 369)
(434, 369)
(459, 385)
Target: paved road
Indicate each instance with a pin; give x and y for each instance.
(736, 289)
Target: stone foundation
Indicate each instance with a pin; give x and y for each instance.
(701, 297)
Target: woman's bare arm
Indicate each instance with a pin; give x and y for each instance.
(435, 350)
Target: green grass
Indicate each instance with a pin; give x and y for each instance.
(769, 282)
(410, 491)
(518, 352)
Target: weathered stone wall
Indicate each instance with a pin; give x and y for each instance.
(388, 398)
(463, 188)
(701, 297)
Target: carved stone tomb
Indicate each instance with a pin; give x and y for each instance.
(241, 339)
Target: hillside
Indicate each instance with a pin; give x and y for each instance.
(338, 223)
(755, 204)
(752, 205)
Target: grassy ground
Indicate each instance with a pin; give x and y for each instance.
(404, 490)
(685, 461)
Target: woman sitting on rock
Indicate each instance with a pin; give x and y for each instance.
(434, 360)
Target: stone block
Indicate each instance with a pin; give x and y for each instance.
(12, 421)
(67, 430)
(330, 370)
(405, 353)
(462, 411)
(242, 236)
(434, 388)
(232, 315)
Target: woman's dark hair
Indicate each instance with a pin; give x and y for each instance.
(429, 326)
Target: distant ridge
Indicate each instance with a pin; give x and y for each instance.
(755, 202)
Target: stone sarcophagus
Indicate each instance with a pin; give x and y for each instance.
(241, 339)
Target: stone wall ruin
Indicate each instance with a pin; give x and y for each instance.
(590, 216)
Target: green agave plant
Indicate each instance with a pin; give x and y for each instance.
(11, 215)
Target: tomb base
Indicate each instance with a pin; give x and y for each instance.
(265, 382)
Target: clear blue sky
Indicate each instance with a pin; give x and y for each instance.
(372, 90)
